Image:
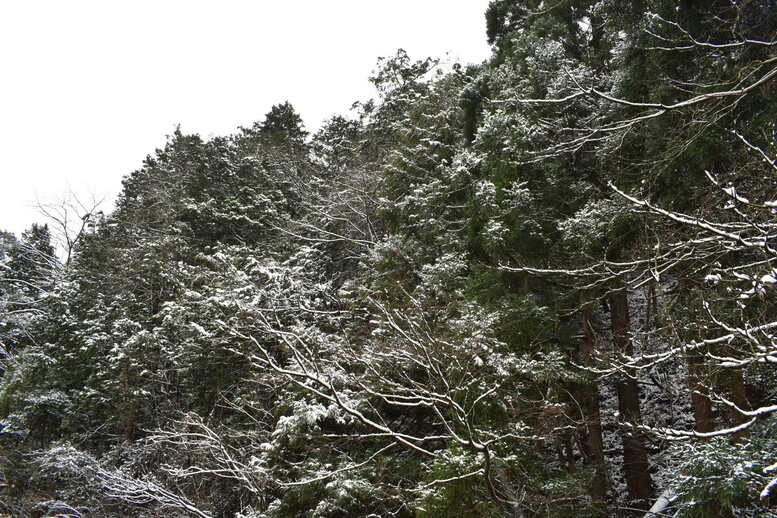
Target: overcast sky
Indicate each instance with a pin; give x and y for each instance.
(89, 88)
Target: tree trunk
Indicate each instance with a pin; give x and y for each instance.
(635, 459)
(738, 396)
(591, 444)
(702, 406)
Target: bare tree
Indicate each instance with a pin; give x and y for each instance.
(114, 484)
(411, 366)
(71, 217)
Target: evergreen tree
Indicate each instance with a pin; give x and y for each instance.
(282, 126)
(32, 261)
(541, 286)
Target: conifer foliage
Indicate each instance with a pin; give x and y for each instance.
(542, 286)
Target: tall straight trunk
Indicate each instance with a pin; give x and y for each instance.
(129, 410)
(702, 405)
(635, 460)
(700, 383)
(738, 396)
(592, 445)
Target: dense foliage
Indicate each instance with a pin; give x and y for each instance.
(542, 286)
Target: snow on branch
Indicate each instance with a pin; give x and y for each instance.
(115, 484)
(695, 43)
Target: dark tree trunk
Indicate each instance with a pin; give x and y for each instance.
(591, 443)
(702, 406)
(738, 396)
(635, 460)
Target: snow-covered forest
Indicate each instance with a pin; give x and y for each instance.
(542, 286)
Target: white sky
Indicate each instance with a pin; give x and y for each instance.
(89, 88)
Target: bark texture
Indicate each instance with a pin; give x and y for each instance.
(635, 460)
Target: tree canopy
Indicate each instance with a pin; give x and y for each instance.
(539, 286)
